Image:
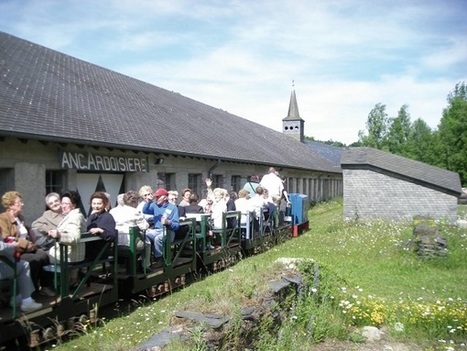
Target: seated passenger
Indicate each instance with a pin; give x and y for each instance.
(68, 232)
(23, 276)
(244, 205)
(145, 192)
(193, 207)
(165, 214)
(101, 223)
(173, 199)
(15, 229)
(219, 206)
(127, 216)
(186, 193)
(50, 219)
(259, 202)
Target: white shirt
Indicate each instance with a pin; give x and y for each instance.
(273, 183)
(126, 217)
(245, 206)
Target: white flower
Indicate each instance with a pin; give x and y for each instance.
(398, 326)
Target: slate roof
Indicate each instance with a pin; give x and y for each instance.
(415, 171)
(47, 95)
(328, 152)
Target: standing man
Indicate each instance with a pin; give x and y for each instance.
(165, 214)
(273, 183)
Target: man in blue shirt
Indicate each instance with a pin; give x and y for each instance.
(165, 214)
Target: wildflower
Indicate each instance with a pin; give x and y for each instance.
(399, 327)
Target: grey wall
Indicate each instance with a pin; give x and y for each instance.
(370, 195)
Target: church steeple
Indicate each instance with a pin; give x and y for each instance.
(293, 124)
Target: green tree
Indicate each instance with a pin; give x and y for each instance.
(423, 143)
(377, 126)
(453, 132)
(399, 131)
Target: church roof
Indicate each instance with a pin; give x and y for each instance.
(293, 113)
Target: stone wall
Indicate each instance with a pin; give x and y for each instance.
(370, 195)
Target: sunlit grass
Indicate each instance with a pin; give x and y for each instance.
(369, 277)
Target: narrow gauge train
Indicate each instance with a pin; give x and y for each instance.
(116, 272)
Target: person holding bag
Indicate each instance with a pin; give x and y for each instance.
(14, 229)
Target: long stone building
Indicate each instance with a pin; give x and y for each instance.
(68, 124)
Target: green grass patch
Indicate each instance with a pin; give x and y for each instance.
(368, 276)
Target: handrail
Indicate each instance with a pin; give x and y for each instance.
(64, 264)
(190, 235)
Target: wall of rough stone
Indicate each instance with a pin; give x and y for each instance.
(370, 195)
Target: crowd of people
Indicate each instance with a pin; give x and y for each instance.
(31, 247)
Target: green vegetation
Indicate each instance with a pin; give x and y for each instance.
(444, 147)
(367, 276)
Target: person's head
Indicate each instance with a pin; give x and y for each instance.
(130, 198)
(265, 193)
(186, 193)
(69, 200)
(99, 202)
(52, 200)
(194, 198)
(233, 195)
(145, 192)
(218, 194)
(109, 205)
(13, 201)
(120, 201)
(254, 178)
(259, 190)
(225, 194)
(242, 193)
(272, 170)
(161, 195)
(173, 196)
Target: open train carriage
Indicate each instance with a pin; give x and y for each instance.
(218, 248)
(179, 261)
(97, 286)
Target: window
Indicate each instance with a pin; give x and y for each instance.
(54, 181)
(217, 181)
(166, 180)
(236, 183)
(195, 184)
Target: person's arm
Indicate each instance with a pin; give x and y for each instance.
(173, 219)
(104, 226)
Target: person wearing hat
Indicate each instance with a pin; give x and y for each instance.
(165, 214)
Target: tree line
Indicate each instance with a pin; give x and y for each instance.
(444, 147)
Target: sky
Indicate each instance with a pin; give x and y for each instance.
(342, 57)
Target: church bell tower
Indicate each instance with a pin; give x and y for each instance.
(293, 124)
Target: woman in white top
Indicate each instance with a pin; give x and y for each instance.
(127, 216)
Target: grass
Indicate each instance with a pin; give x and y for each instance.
(367, 277)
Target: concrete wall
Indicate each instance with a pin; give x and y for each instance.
(370, 195)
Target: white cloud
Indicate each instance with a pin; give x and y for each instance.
(241, 56)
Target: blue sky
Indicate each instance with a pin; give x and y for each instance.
(242, 56)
